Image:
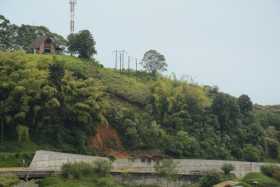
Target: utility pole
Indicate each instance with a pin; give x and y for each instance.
(128, 63)
(123, 64)
(121, 56)
(136, 63)
(115, 53)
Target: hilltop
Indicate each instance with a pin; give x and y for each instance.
(69, 104)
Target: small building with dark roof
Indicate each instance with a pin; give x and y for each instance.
(45, 44)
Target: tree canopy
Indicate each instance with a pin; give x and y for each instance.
(82, 43)
(154, 62)
(13, 37)
(61, 101)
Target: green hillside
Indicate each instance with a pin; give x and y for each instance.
(58, 103)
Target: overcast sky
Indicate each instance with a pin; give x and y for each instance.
(234, 44)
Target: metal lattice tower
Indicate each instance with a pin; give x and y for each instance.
(72, 15)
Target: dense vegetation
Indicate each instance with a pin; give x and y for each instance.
(9, 180)
(14, 37)
(59, 101)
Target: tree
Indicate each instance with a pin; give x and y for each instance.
(272, 148)
(7, 34)
(212, 178)
(167, 169)
(154, 62)
(26, 34)
(13, 37)
(82, 43)
(23, 133)
(56, 74)
(252, 153)
(182, 145)
(227, 168)
(226, 108)
(4, 94)
(102, 167)
(245, 104)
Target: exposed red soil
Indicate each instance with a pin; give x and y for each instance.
(119, 154)
(107, 141)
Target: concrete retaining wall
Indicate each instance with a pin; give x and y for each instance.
(47, 160)
(53, 161)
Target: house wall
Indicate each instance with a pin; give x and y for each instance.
(41, 49)
(45, 45)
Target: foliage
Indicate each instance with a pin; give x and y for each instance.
(262, 180)
(271, 171)
(56, 74)
(60, 101)
(21, 159)
(100, 168)
(77, 170)
(43, 95)
(167, 169)
(23, 134)
(6, 34)
(13, 37)
(243, 184)
(252, 154)
(227, 168)
(82, 43)
(210, 179)
(154, 62)
(7, 181)
(245, 104)
(85, 182)
(61, 182)
(107, 182)
(272, 147)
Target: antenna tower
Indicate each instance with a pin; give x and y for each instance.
(72, 15)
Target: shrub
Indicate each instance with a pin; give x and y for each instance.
(167, 169)
(210, 179)
(15, 159)
(272, 148)
(271, 171)
(227, 168)
(252, 154)
(77, 170)
(102, 167)
(276, 174)
(82, 169)
(243, 184)
(6, 181)
(262, 180)
(267, 170)
(107, 182)
(23, 133)
(50, 181)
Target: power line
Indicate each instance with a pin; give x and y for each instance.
(119, 59)
(123, 61)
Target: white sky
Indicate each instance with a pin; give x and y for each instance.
(234, 44)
